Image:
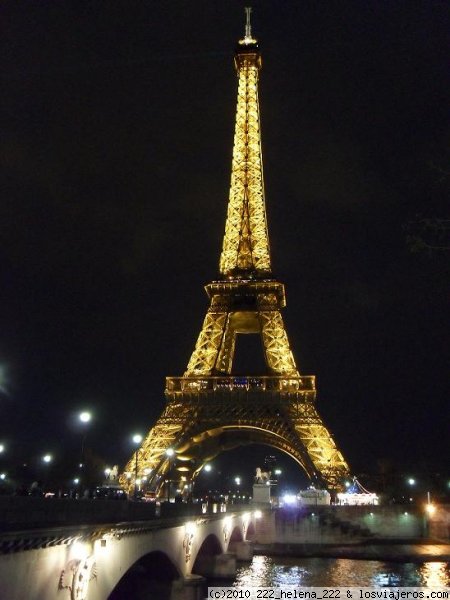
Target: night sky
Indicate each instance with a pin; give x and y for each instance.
(117, 125)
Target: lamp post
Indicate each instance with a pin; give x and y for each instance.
(137, 439)
(46, 459)
(169, 452)
(237, 481)
(84, 417)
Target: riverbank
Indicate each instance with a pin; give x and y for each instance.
(381, 549)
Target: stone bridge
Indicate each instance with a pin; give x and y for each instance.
(163, 558)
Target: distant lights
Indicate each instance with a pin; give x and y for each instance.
(430, 508)
(47, 458)
(2, 476)
(412, 481)
(2, 448)
(137, 438)
(170, 452)
(208, 468)
(257, 514)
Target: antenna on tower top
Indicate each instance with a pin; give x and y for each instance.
(248, 39)
(248, 25)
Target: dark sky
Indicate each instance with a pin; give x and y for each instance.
(117, 125)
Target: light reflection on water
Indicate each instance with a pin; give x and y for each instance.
(266, 571)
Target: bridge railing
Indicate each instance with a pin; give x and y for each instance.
(279, 383)
(28, 512)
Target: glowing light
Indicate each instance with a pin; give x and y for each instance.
(278, 471)
(79, 551)
(190, 528)
(208, 468)
(2, 448)
(237, 480)
(2, 476)
(47, 458)
(85, 417)
(76, 481)
(430, 508)
(411, 481)
(434, 574)
(257, 514)
(170, 452)
(137, 438)
(289, 499)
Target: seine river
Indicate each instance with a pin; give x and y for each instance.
(266, 571)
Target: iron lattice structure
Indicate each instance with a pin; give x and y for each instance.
(210, 410)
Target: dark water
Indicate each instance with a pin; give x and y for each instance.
(266, 571)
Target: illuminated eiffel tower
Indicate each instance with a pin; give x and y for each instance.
(209, 410)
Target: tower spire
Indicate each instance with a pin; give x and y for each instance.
(248, 25)
(245, 249)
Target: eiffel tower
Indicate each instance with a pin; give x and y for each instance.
(209, 410)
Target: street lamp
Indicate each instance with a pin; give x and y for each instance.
(137, 439)
(84, 417)
(169, 452)
(2, 448)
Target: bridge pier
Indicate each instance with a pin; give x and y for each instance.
(188, 588)
(217, 566)
(242, 550)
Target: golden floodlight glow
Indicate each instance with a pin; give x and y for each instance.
(430, 508)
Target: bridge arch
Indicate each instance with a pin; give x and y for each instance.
(236, 535)
(251, 532)
(151, 576)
